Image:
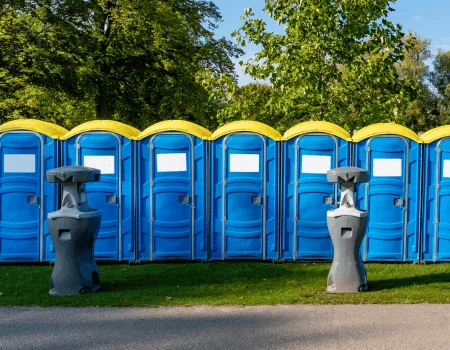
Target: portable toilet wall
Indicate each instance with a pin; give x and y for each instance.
(109, 146)
(245, 167)
(28, 149)
(392, 154)
(436, 195)
(172, 191)
(310, 149)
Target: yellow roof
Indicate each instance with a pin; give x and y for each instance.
(317, 126)
(249, 126)
(435, 134)
(176, 125)
(104, 125)
(52, 130)
(385, 129)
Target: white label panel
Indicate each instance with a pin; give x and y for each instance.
(244, 163)
(446, 170)
(316, 164)
(387, 167)
(167, 162)
(19, 163)
(103, 163)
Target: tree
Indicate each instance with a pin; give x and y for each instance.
(130, 60)
(335, 60)
(440, 79)
(249, 102)
(420, 114)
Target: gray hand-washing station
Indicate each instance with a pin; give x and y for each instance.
(347, 226)
(73, 230)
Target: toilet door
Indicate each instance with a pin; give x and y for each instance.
(21, 196)
(386, 198)
(441, 239)
(244, 195)
(102, 151)
(314, 195)
(172, 199)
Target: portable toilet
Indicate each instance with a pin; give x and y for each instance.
(172, 191)
(109, 146)
(436, 197)
(245, 168)
(392, 154)
(28, 149)
(310, 149)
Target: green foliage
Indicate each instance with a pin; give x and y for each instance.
(420, 113)
(440, 79)
(114, 59)
(335, 60)
(249, 102)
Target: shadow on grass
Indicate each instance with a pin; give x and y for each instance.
(394, 283)
(208, 275)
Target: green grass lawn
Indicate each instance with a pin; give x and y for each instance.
(229, 283)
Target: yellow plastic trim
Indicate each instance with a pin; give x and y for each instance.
(436, 134)
(116, 127)
(249, 126)
(319, 127)
(51, 130)
(176, 125)
(385, 129)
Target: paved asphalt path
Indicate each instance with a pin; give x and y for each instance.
(203, 327)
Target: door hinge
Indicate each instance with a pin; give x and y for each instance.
(224, 182)
(152, 219)
(436, 221)
(297, 147)
(296, 218)
(439, 150)
(152, 183)
(296, 183)
(224, 218)
(78, 146)
(368, 148)
(438, 186)
(151, 146)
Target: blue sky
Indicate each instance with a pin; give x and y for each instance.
(427, 18)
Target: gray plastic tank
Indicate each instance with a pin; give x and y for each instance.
(347, 226)
(73, 230)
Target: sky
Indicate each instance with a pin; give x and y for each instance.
(426, 18)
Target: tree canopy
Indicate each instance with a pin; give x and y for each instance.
(136, 61)
(334, 60)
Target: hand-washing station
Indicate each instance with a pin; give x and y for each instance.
(73, 230)
(347, 226)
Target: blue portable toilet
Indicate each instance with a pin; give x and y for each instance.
(245, 173)
(310, 149)
(392, 154)
(109, 146)
(436, 197)
(28, 149)
(172, 191)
